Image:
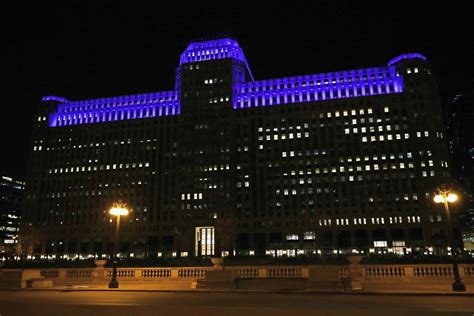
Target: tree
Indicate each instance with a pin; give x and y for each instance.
(226, 229)
(28, 237)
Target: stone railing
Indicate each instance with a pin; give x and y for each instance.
(433, 271)
(417, 271)
(469, 270)
(384, 272)
(421, 271)
(353, 276)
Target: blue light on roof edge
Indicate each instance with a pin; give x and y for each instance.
(405, 56)
(301, 89)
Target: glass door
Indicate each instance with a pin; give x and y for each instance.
(205, 241)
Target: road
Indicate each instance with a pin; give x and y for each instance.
(104, 303)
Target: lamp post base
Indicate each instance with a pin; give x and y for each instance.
(458, 286)
(113, 284)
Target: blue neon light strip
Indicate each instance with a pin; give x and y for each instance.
(54, 98)
(405, 56)
(214, 49)
(116, 109)
(209, 50)
(313, 88)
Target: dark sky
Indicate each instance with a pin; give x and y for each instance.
(88, 49)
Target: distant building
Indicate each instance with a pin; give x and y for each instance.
(11, 202)
(460, 134)
(346, 161)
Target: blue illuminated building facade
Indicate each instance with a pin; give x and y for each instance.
(334, 162)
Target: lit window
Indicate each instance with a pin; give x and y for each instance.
(385, 109)
(291, 237)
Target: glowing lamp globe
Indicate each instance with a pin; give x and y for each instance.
(118, 209)
(452, 197)
(438, 199)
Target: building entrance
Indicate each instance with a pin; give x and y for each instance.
(205, 241)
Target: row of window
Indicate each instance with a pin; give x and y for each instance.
(372, 220)
(317, 80)
(126, 101)
(100, 167)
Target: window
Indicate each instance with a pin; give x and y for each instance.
(381, 243)
(291, 237)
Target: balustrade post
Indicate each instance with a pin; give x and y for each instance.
(174, 273)
(305, 273)
(409, 272)
(355, 274)
(262, 273)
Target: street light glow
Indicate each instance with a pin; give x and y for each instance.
(438, 198)
(118, 209)
(452, 197)
(441, 198)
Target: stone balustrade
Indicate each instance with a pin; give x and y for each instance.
(368, 276)
(288, 272)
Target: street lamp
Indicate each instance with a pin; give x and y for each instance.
(446, 197)
(118, 209)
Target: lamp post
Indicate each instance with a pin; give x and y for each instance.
(118, 209)
(445, 197)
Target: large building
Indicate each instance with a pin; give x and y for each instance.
(460, 135)
(345, 161)
(11, 202)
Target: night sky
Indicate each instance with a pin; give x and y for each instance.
(91, 49)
